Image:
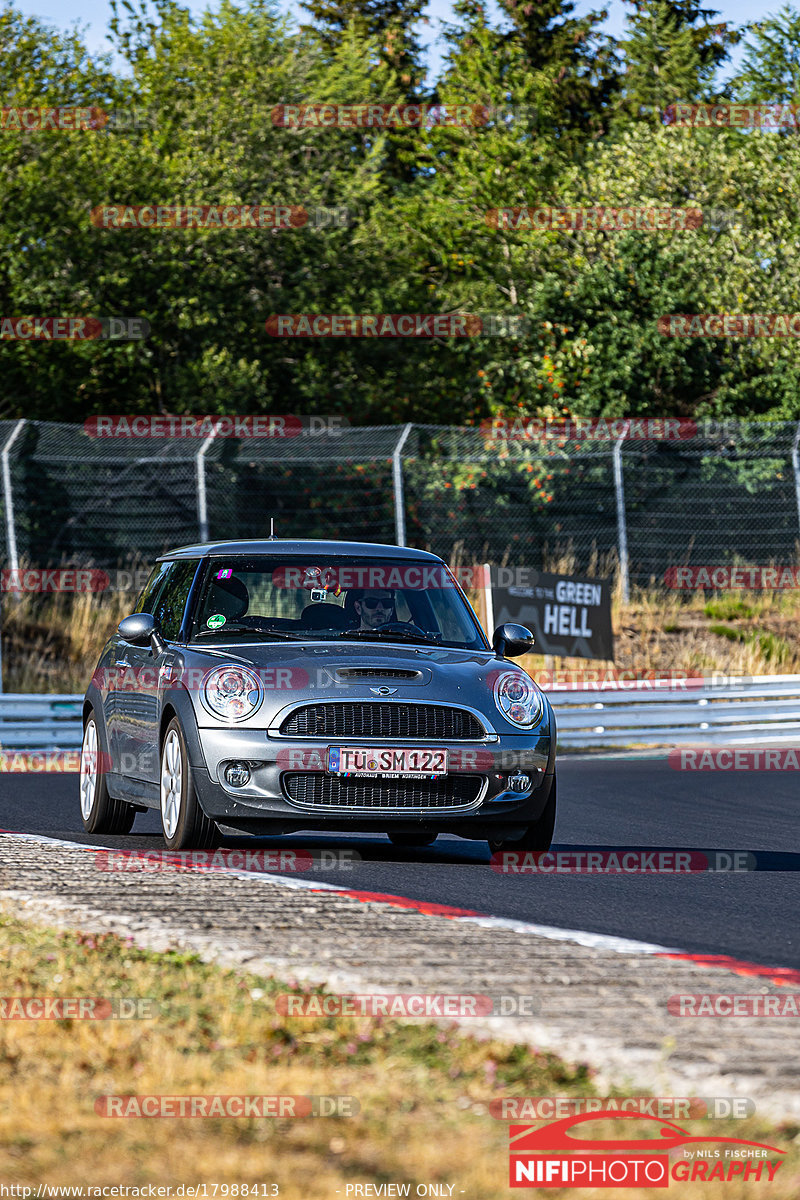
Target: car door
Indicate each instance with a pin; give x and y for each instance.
(121, 680)
(141, 703)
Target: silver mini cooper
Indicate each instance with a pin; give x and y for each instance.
(275, 686)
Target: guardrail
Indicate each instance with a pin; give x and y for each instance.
(31, 722)
(763, 709)
(677, 712)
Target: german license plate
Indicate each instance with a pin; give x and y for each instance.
(386, 762)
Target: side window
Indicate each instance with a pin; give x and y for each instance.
(171, 599)
(152, 588)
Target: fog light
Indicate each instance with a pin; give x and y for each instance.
(237, 774)
(519, 783)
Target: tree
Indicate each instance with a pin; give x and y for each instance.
(672, 51)
(572, 53)
(770, 69)
(389, 29)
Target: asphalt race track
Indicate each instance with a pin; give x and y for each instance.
(616, 803)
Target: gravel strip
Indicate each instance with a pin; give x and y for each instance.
(592, 1005)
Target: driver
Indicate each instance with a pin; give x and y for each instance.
(375, 608)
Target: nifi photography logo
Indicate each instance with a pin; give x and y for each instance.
(552, 1156)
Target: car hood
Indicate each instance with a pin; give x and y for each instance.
(292, 673)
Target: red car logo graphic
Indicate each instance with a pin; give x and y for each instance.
(556, 1136)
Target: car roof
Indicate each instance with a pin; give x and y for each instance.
(285, 547)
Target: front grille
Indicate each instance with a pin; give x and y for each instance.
(420, 722)
(329, 791)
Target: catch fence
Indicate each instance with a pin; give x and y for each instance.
(724, 495)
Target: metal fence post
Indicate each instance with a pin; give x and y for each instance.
(622, 530)
(397, 479)
(200, 471)
(488, 599)
(8, 499)
(8, 503)
(796, 467)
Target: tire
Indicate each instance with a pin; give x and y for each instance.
(100, 812)
(539, 835)
(183, 823)
(412, 840)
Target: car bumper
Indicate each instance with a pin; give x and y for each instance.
(481, 772)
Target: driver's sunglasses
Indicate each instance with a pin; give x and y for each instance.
(371, 603)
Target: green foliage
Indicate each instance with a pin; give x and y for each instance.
(727, 631)
(563, 129)
(671, 52)
(776, 650)
(729, 608)
(773, 648)
(770, 69)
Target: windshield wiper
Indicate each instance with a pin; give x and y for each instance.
(256, 633)
(434, 639)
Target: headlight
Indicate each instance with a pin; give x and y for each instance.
(232, 693)
(518, 699)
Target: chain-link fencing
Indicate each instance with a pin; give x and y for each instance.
(724, 494)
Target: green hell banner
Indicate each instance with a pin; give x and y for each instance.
(569, 615)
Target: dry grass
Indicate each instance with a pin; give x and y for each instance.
(423, 1090)
(51, 643)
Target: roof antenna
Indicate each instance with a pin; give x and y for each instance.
(272, 529)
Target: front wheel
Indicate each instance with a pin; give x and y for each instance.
(100, 812)
(183, 822)
(539, 835)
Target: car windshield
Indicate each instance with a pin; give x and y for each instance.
(400, 600)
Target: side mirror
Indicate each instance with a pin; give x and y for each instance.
(509, 640)
(140, 629)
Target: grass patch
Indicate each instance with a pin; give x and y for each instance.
(729, 608)
(423, 1089)
(774, 649)
(728, 631)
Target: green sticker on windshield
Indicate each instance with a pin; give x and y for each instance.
(215, 621)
